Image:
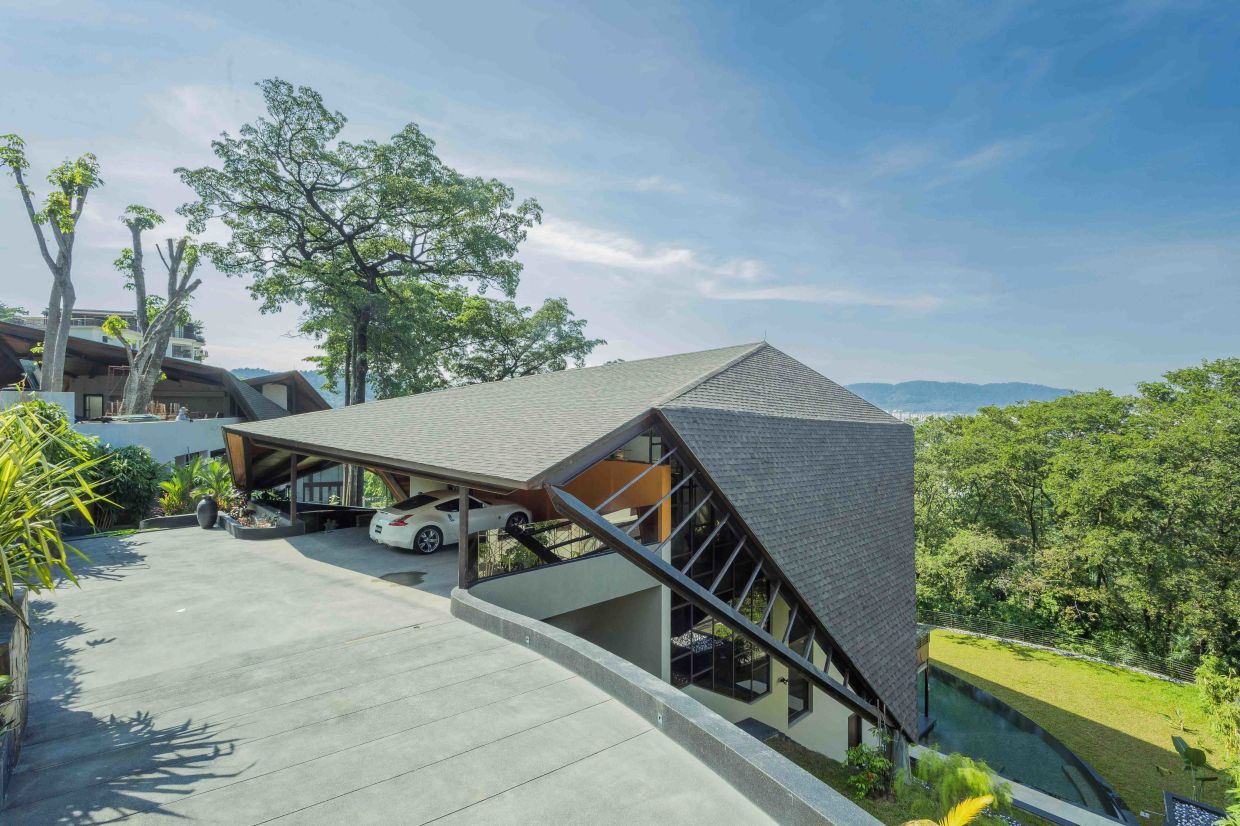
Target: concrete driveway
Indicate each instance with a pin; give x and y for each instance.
(196, 677)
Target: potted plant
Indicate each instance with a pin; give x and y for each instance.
(214, 489)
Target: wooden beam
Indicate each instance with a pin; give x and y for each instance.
(466, 545)
(292, 488)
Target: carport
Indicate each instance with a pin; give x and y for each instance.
(707, 471)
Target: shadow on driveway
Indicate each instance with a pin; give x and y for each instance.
(351, 548)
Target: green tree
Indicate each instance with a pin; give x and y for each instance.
(71, 182)
(8, 313)
(503, 340)
(157, 316)
(315, 216)
(1115, 518)
(352, 231)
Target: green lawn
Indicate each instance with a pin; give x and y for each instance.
(1111, 717)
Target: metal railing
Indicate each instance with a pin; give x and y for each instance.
(499, 553)
(1117, 655)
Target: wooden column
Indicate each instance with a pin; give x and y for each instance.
(292, 489)
(467, 545)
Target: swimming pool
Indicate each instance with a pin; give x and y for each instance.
(973, 722)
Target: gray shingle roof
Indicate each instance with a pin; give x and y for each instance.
(507, 432)
(824, 480)
(260, 407)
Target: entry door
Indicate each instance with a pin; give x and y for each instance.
(92, 406)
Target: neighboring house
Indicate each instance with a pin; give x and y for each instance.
(95, 374)
(187, 341)
(729, 520)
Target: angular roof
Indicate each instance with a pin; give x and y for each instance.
(506, 434)
(16, 341)
(824, 480)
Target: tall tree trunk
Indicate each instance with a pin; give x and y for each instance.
(54, 379)
(146, 366)
(47, 366)
(355, 477)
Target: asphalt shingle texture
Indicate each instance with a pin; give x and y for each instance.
(825, 482)
(512, 430)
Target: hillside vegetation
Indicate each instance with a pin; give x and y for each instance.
(1114, 518)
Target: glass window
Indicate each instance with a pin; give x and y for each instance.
(451, 506)
(800, 695)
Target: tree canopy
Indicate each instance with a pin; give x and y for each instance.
(346, 225)
(1113, 517)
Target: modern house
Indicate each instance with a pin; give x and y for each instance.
(95, 373)
(730, 521)
(187, 341)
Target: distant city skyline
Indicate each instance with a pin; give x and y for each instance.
(983, 193)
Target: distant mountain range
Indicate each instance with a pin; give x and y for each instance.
(906, 397)
(952, 396)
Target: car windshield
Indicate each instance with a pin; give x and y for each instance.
(414, 502)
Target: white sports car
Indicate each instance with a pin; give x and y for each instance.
(428, 521)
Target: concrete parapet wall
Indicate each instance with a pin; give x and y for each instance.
(783, 790)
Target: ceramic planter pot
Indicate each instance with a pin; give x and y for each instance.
(207, 512)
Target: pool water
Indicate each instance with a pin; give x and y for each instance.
(975, 723)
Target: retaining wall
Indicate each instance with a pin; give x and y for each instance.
(783, 790)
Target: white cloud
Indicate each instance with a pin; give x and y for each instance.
(585, 245)
(736, 279)
(816, 294)
(200, 112)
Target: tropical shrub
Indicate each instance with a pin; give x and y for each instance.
(131, 478)
(215, 480)
(46, 474)
(871, 771)
(1218, 686)
(964, 812)
(939, 782)
(177, 491)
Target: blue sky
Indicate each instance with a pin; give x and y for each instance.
(980, 192)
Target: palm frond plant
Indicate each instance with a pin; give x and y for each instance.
(964, 812)
(178, 489)
(215, 480)
(45, 476)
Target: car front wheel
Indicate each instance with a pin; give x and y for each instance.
(428, 540)
(517, 520)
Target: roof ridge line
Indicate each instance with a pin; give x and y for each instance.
(888, 422)
(710, 374)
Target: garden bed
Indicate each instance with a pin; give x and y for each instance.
(280, 530)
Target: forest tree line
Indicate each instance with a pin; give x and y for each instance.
(1109, 518)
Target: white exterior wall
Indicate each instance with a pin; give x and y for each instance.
(824, 729)
(278, 393)
(166, 440)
